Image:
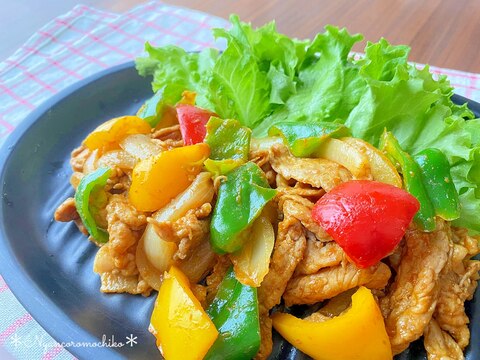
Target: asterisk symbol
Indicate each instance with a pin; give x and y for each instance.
(16, 340)
(131, 340)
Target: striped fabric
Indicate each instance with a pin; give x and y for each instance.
(86, 40)
(72, 47)
(67, 49)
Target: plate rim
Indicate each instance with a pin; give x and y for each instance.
(42, 309)
(35, 302)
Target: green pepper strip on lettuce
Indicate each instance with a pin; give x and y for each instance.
(152, 110)
(234, 311)
(241, 198)
(229, 143)
(413, 181)
(305, 139)
(90, 196)
(438, 183)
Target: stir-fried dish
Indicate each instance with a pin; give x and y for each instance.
(281, 173)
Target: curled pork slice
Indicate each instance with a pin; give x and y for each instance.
(319, 255)
(188, 231)
(329, 282)
(439, 344)
(118, 283)
(222, 264)
(287, 253)
(119, 280)
(319, 173)
(301, 209)
(78, 158)
(67, 211)
(125, 227)
(458, 282)
(168, 133)
(300, 189)
(450, 311)
(409, 305)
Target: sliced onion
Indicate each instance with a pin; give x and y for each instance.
(158, 253)
(199, 263)
(348, 156)
(198, 193)
(264, 144)
(382, 169)
(90, 164)
(140, 146)
(251, 263)
(149, 273)
(117, 158)
(338, 303)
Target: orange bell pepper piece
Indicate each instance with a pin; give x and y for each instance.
(358, 333)
(182, 328)
(158, 179)
(108, 135)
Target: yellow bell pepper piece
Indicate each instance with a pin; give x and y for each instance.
(358, 333)
(182, 328)
(188, 97)
(108, 135)
(158, 179)
(169, 118)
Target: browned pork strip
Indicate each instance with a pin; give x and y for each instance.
(450, 310)
(319, 173)
(215, 278)
(319, 255)
(439, 344)
(301, 209)
(329, 282)
(300, 189)
(119, 280)
(118, 283)
(172, 133)
(188, 231)
(287, 253)
(411, 301)
(458, 282)
(125, 227)
(66, 211)
(78, 158)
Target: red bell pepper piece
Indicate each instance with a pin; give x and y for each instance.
(192, 122)
(366, 218)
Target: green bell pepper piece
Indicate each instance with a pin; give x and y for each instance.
(229, 143)
(152, 110)
(305, 139)
(241, 198)
(227, 139)
(89, 197)
(222, 167)
(412, 179)
(234, 311)
(439, 183)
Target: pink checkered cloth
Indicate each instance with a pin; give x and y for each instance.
(85, 41)
(72, 47)
(69, 48)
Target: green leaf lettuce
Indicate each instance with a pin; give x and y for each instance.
(263, 78)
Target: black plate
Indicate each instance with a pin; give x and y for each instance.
(48, 265)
